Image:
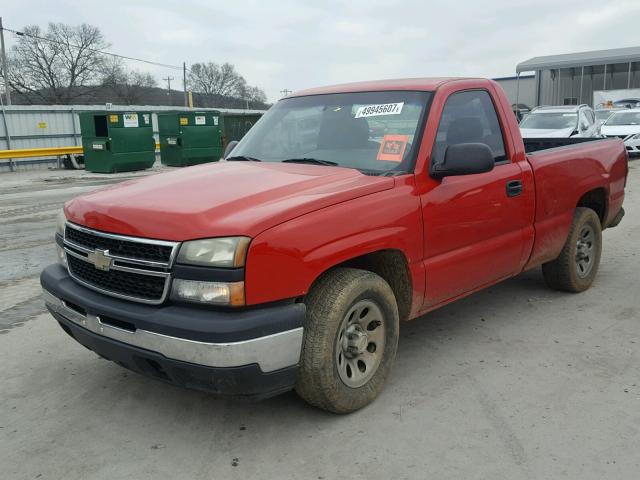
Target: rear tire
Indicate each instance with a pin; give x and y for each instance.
(350, 340)
(577, 265)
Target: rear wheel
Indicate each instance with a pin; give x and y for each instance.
(350, 340)
(577, 265)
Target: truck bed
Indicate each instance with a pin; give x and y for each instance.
(561, 176)
(532, 145)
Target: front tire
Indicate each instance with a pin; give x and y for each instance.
(350, 340)
(577, 265)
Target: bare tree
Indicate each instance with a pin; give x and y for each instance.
(214, 79)
(52, 64)
(256, 95)
(129, 86)
(249, 93)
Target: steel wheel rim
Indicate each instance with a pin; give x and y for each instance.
(585, 251)
(360, 343)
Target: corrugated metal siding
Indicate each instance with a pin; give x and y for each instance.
(39, 129)
(555, 88)
(526, 91)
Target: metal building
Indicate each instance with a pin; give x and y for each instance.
(572, 78)
(523, 88)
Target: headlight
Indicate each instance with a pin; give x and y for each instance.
(636, 136)
(226, 252)
(60, 223)
(214, 293)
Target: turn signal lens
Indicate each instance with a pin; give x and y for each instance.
(61, 221)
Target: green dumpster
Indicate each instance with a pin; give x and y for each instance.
(117, 141)
(189, 138)
(235, 125)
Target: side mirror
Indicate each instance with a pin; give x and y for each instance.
(230, 146)
(464, 159)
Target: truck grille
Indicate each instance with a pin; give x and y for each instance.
(119, 246)
(128, 284)
(126, 267)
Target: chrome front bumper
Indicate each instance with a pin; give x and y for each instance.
(270, 353)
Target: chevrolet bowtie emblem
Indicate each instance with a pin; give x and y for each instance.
(100, 259)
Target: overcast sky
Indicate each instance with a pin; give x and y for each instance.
(299, 44)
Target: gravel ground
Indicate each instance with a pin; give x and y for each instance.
(516, 382)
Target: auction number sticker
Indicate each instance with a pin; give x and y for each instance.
(130, 120)
(200, 120)
(380, 109)
(392, 148)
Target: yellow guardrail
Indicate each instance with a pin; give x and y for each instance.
(43, 152)
(38, 152)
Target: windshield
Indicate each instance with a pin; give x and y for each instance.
(374, 132)
(603, 114)
(550, 121)
(624, 118)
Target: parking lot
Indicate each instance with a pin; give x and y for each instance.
(515, 382)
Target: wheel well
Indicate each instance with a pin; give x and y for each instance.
(392, 266)
(596, 200)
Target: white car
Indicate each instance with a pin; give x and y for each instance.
(602, 115)
(560, 122)
(625, 124)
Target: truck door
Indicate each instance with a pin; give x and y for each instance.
(474, 225)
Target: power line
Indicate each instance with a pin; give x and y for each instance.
(102, 52)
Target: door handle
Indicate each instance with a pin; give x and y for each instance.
(514, 188)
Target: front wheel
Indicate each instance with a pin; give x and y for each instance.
(577, 265)
(350, 340)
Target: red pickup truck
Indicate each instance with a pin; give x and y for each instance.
(343, 212)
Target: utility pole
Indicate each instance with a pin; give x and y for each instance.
(285, 92)
(168, 79)
(184, 82)
(5, 67)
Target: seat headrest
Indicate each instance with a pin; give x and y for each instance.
(465, 130)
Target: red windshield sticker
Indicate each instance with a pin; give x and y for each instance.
(392, 148)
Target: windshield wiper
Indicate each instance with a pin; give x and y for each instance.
(313, 161)
(242, 158)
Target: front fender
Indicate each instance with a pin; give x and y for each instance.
(285, 260)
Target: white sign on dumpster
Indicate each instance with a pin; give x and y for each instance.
(200, 120)
(130, 120)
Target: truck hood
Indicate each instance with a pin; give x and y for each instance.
(546, 133)
(219, 199)
(620, 129)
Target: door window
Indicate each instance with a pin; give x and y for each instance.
(469, 117)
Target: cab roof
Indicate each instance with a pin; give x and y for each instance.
(414, 84)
